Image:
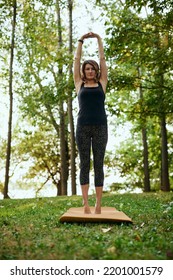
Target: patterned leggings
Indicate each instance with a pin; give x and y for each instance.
(94, 136)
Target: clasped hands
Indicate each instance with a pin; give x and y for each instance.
(90, 35)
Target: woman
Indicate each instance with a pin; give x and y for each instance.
(90, 83)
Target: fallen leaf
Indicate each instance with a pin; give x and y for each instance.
(137, 237)
(106, 229)
(111, 250)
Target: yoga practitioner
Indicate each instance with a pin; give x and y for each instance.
(90, 83)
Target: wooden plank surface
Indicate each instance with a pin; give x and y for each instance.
(108, 214)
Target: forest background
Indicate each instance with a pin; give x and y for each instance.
(37, 44)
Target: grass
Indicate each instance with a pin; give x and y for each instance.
(30, 229)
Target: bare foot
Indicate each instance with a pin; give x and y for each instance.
(87, 210)
(97, 209)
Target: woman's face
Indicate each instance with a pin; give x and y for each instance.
(90, 72)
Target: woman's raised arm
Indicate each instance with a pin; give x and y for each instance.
(77, 59)
(103, 66)
(76, 65)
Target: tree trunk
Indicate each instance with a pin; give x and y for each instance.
(145, 146)
(63, 141)
(165, 184)
(63, 153)
(70, 108)
(8, 153)
(145, 160)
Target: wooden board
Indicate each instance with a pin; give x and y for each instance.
(108, 214)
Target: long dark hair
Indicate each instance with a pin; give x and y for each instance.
(95, 66)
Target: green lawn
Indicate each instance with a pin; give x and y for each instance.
(30, 229)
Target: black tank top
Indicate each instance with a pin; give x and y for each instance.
(91, 106)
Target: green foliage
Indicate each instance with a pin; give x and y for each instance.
(41, 147)
(159, 5)
(30, 229)
(1, 187)
(42, 82)
(128, 161)
(140, 83)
